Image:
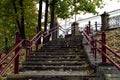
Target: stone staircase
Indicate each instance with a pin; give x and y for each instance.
(61, 59)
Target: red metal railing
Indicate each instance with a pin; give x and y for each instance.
(106, 56)
(16, 50)
(103, 49)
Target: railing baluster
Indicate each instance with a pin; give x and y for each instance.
(87, 30)
(95, 47)
(16, 63)
(96, 26)
(89, 27)
(103, 47)
(38, 40)
(0, 57)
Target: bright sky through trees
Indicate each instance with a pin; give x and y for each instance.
(109, 6)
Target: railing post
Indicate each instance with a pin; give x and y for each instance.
(87, 30)
(93, 48)
(89, 27)
(94, 45)
(37, 43)
(95, 51)
(0, 57)
(16, 63)
(28, 48)
(103, 47)
(45, 37)
(96, 26)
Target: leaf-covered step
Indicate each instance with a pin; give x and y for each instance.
(62, 50)
(58, 63)
(56, 59)
(62, 67)
(57, 56)
(59, 50)
(64, 45)
(60, 47)
(56, 53)
(53, 75)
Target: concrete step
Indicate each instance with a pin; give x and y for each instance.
(64, 49)
(58, 63)
(64, 45)
(56, 59)
(58, 46)
(54, 75)
(57, 53)
(56, 56)
(60, 51)
(56, 68)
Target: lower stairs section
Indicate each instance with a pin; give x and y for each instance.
(51, 77)
(61, 59)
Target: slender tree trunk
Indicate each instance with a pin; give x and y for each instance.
(20, 23)
(16, 16)
(46, 15)
(53, 23)
(52, 13)
(46, 21)
(22, 19)
(40, 15)
(39, 18)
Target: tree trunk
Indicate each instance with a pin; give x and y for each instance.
(46, 39)
(22, 19)
(53, 23)
(20, 23)
(39, 18)
(46, 15)
(40, 15)
(52, 13)
(16, 16)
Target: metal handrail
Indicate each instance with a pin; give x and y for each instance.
(13, 49)
(89, 39)
(19, 45)
(12, 59)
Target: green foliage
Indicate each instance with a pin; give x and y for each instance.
(67, 8)
(63, 9)
(8, 25)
